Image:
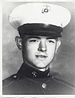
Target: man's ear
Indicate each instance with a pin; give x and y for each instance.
(18, 41)
(58, 44)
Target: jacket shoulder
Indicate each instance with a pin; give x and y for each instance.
(6, 82)
(63, 80)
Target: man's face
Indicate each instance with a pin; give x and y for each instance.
(39, 50)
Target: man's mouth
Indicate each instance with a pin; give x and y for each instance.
(41, 56)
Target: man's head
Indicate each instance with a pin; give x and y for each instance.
(40, 26)
(38, 51)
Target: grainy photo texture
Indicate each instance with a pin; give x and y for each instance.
(38, 48)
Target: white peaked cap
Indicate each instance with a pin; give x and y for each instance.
(45, 13)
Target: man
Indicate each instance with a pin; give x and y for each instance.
(40, 27)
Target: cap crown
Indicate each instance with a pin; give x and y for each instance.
(44, 13)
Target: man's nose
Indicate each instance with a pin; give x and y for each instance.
(42, 46)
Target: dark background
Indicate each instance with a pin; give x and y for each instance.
(65, 60)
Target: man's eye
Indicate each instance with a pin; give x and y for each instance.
(33, 40)
(51, 41)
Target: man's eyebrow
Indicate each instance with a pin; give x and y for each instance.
(49, 37)
(34, 37)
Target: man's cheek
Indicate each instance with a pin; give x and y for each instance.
(30, 53)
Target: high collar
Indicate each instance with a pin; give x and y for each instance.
(28, 71)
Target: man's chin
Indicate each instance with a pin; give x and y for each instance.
(41, 66)
(38, 66)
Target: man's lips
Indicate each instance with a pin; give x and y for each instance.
(41, 56)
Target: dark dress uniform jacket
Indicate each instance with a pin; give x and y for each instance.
(29, 81)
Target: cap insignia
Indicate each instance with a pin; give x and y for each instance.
(46, 9)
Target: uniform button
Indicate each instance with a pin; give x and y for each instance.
(48, 74)
(44, 85)
(52, 77)
(14, 76)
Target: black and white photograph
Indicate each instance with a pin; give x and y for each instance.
(38, 48)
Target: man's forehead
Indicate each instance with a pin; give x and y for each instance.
(39, 37)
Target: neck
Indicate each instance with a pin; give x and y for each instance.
(40, 69)
(43, 69)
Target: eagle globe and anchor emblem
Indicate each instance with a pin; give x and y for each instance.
(45, 9)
